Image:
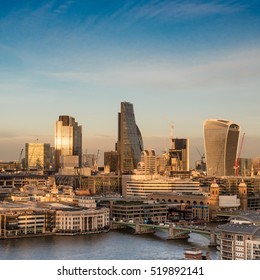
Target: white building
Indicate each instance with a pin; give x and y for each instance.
(82, 221)
(240, 239)
(142, 188)
(86, 202)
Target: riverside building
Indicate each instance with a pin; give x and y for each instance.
(139, 212)
(240, 239)
(82, 221)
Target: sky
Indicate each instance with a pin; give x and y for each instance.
(179, 62)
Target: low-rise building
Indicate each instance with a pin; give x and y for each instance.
(17, 222)
(86, 201)
(82, 221)
(143, 188)
(139, 212)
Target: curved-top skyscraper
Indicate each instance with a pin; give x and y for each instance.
(130, 143)
(221, 142)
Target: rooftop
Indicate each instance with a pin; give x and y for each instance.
(240, 228)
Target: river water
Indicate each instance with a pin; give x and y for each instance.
(114, 245)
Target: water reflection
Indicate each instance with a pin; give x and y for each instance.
(115, 245)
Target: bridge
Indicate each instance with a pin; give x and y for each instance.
(174, 231)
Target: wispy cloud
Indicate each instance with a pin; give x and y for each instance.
(176, 9)
(64, 7)
(232, 70)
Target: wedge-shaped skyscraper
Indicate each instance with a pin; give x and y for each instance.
(221, 142)
(130, 144)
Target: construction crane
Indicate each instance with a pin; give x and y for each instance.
(236, 166)
(202, 160)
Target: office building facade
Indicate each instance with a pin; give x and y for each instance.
(111, 161)
(130, 144)
(179, 154)
(147, 165)
(221, 142)
(37, 155)
(68, 139)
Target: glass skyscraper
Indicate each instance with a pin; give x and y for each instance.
(130, 143)
(68, 139)
(221, 142)
(37, 155)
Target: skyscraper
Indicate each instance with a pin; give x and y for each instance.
(130, 143)
(221, 142)
(68, 139)
(37, 155)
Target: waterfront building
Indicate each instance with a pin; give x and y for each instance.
(221, 142)
(18, 221)
(68, 139)
(130, 143)
(82, 221)
(139, 212)
(240, 239)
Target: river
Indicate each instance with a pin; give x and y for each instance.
(114, 245)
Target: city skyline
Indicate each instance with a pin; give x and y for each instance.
(177, 62)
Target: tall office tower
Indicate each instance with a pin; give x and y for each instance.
(130, 143)
(68, 139)
(179, 154)
(221, 142)
(37, 155)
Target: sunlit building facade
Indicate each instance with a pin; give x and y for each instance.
(68, 139)
(221, 142)
(37, 155)
(130, 142)
(179, 154)
(147, 165)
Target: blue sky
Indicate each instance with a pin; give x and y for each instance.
(177, 61)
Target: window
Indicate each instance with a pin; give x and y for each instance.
(240, 237)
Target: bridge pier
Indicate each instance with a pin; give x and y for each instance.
(143, 230)
(117, 226)
(176, 234)
(213, 239)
